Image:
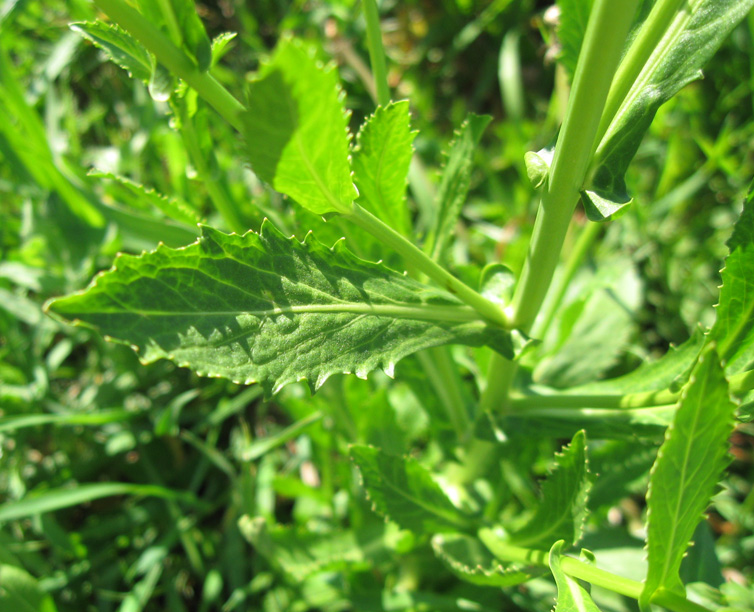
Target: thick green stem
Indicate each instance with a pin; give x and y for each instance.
(376, 51)
(175, 60)
(600, 55)
(421, 262)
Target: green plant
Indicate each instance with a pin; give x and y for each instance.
(264, 308)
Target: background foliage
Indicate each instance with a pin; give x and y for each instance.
(165, 491)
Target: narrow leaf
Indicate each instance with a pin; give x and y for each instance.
(403, 491)
(692, 37)
(563, 507)
(572, 597)
(471, 561)
(119, 46)
(689, 466)
(269, 309)
(734, 328)
(296, 130)
(456, 179)
(384, 147)
(195, 39)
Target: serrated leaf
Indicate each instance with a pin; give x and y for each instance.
(119, 46)
(194, 37)
(300, 552)
(734, 327)
(20, 592)
(221, 44)
(269, 309)
(692, 37)
(296, 130)
(689, 466)
(562, 509)
(471, 561)
(572, 597)
(456, 178)
(403, 491)
(384, 147)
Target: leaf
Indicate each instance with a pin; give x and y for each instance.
(300, 552)
(689, 466)
(194, 36)
(119, 46)
(734, 327)
(456, 178)
(20, 592)
(691, 38)
(574, 15)
(604, 207)
(403, 491)
(563, 506)
(269, 309)
(221, 44)
(65, 497)
(471, 561)
(572, 597)
(384, 147)
(296, 130)
(538, 165)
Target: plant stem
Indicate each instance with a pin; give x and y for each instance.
(421, 262)
(175, 60)
(443, 375)
(376, 51)
(606, 33)
(583, 571)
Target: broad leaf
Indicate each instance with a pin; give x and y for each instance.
(471, 561)
(119, 46)
(689, 466)
(572, 596)
(297, 130)
(563, 506)
(269, 309)
(734, 328)
(384, 147)
(456, 178)
(403, 491)
(20, 592)
(301, 553)
(691, 38)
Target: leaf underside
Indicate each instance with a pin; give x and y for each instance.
(403, 491)
(269, 309)
(689, 466)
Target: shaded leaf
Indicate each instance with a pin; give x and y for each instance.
(20, 592)
(403, 491)
(574, 16)
(296, 130)
(471, 561)
(734, 327)
(572, 596)
(119, 46)
(691, 38)
(269, 309)
(300, 552)
(604, 207)
(562, 509)
(688, 468)
(384, 147)
(456, 178)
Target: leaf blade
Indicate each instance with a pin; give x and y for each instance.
(269, 309)
(296, 131)
(683, 478)
(572, 597)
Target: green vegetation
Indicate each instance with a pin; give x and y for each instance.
(377, 307)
